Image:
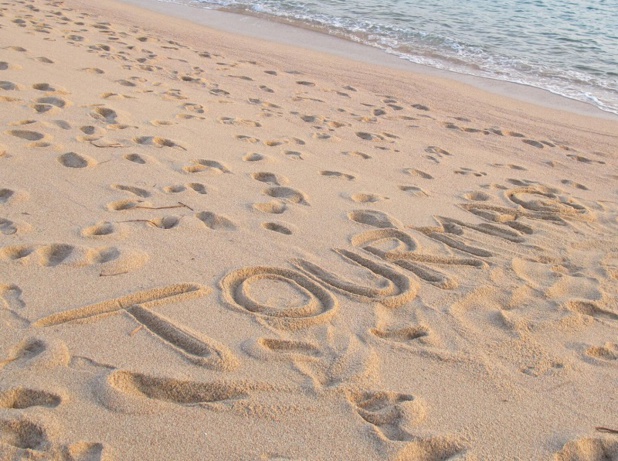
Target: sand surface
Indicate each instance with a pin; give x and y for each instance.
(218, 248)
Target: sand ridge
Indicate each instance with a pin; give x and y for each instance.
(218, 249)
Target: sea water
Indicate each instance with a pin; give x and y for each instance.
(569, 47)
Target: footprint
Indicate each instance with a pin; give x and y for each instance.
(215, 222)
(417, 173)
(21, 398)
(294, 155)
(533, 143)
(385, 410)
(591, 309)
(27, 135)
(275, 227)
(287, 194)
(135, 158)
(270, 178)
(374, 218)
(99, 229)
(589, 449)
(272, 207)
(357, 154)
(402, 335)
(305, 83)
(437, 151)
(8, 86)
(52, 255)
(209, 166)
(104, 114)
(477, 196)
(74, 160)
(253, 157)
(156, 141)
(367, 198)
(132, 190)
(10, 297)
(280, 349)
(43, 87)
(8, 227)
(414, 191)
(198, 187)
(52, 101)
(573, 184)
(167, 222)
(469, 171)
(24, 434)
(607, 352)
(189, 393)
(337, 174)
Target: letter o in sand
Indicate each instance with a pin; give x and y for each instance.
(242, 287)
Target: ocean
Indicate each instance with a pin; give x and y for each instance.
(569, 47)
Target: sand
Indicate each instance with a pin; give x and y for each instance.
(216, 247)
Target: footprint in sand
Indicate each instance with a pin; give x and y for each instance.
(136, 158)
(374, 218)
(388, 411)
(9, 227)
(74, 160)
(10, 297)
(253, 157)
(607, 352)
(272, 207)
(270, 178)
(405, 335)
(277, 227)
(48, 103)
(100, 229)
(131, 190)
(414, 191)
(208, 166)
(294, 155)
(215, 222)
(157, 141)
(417, 173)
(27, 135)
(363, 197)
(337, 175)
(9, 86)
(22, 397)
(287, 194)
(477, 196)
(469, 171)
(56, 254)
(357, 154)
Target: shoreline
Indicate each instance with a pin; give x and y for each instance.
(219, 247)
(282, 32)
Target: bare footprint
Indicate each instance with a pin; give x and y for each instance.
(417, 173)
(270, 178)
(276, 227)
(337, 174)
(215, 222)
(362, 197)
(73, 160)
(272, 207)
(414, 191)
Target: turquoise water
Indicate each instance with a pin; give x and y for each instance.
(569, 47)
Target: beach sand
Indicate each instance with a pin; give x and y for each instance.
(221, 248)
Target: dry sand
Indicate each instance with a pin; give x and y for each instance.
(218, 248)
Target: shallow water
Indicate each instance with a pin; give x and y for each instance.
(567, 47)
